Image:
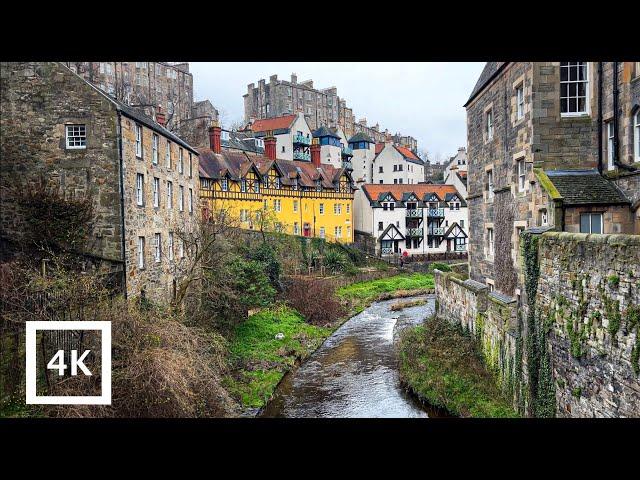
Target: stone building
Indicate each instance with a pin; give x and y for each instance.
(550, 145)
(320, 107)
(433, 172)
(140, 177)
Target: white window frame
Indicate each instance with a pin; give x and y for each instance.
(155, 140)
(156, 192)
(610, 144)
(568, 66)
(138, 129)
(140, 189)
(591, 215)
(322, 232)
(636, 133)
(224, 184)
(141, 253)
(520, 101)
(76, 136)
(169, 195)
(489, 184)
(490, 242)
(191, 200)
(157, 246)
(170, 246)
(296, 228)
(522, 175)
(168, 155)
(181, 199)
(489, 125)
(180, 161)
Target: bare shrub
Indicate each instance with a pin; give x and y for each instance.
(315, 299)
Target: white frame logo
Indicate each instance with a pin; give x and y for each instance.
(31, 366)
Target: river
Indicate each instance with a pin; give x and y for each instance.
(354, 373)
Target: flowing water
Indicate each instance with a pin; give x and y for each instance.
(354, 373)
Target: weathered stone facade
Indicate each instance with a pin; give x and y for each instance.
(587, 304)
(39, 101)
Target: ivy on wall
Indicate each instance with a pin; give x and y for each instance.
(505, 272)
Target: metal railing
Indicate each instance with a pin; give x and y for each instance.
(347, 165)
(461, 248)
(436, 212)
(347, 151)
(438, 231)
(301, 156)
(414, 232)
(301, 140)
(414, 213)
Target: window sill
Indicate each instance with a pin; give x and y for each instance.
(575, 116)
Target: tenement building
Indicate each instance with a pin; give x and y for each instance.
(141, 179)
(416, 219)
(300, 196)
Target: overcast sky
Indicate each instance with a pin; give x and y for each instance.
(419, 99)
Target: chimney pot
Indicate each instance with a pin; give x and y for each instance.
(315, 153)
(270, 145)
(214, 137)
(160, 117)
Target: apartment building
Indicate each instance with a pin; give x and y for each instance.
(397, 165)
(455, 171)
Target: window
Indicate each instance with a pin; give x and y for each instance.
(395, 180)
(461, 223)
(591, 223)
(381, 181)
(522, 175)
(322, 232)
(168, 155)
(489, 125)
(190, 165)
(76, 136)
(190, 200)
(636, 131)
(489, 184)
(283, 149)
(256, 186)
(156, 192)
(544, 218)
(169, 195)
(180, 161)
(610, 145)
(170, 246)
(277, 205)
(380, 226)
(338, 232)
(574, 80)
(224, 184)
(490, 242)
(265, 180)
(157, 248)
(348, 208)
(138, 141)
(296, 228)
(244, 215)
(154, 149)
(348, 232)
(395, 168)
(519, 101)
(141, 252)
(181, 199)
(295, 205)
(140, 189)
(322, 209)
(277, 182)
(380, 170)
(400, 181)
(243, 185)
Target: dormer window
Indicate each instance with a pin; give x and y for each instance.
(224, 183)
(243, 185)
(224, 135)
(256, 186)
(277, 182)
(266, 180)
(318, 185)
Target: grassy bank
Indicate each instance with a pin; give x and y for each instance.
(443, 367)
(260, 360)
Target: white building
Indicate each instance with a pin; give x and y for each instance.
(363, 149)
(455, 173)
(333, 148)
(394, 164)
(292, 133)
(418, 219)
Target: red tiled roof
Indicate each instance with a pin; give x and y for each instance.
(277, 123)
(407, 153)
(379, 147)
(374, 190)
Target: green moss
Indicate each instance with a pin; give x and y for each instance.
(613, 281)
(576, 392)
(547, 184)
(612, 311)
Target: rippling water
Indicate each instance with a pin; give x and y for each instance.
(354, 373)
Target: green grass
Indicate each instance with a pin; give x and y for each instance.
(443, 366)
(262, 359)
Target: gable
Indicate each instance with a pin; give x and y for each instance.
(391, 233)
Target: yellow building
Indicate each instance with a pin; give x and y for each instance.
(304, 198)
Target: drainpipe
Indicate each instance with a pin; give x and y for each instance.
(121, 159)
(599, 119)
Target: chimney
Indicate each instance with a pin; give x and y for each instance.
(294, 78)
(214, 137)
(160, 117)
(315, 153)
(270, 145)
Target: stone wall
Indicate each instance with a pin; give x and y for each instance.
(587, 306)
(590, 297)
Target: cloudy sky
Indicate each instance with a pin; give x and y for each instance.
(419, 99)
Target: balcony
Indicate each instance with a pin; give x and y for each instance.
(299, 155)
(387, 250)
(347, 165)
(437, 231)
(301, 140)
(436, 212)
(461, 248)
(414, 232)
(347, 152)
(414, 213)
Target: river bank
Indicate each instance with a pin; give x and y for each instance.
(442, 366)
(261, 360)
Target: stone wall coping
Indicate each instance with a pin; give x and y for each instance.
(501, 299)
(610, 239)
(474, 286)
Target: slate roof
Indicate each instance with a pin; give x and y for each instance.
(361, 137)
(489, 72)
(325, 132)
(244, 141)
(585, 187)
